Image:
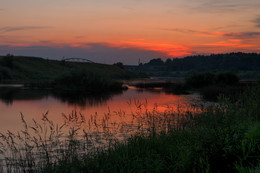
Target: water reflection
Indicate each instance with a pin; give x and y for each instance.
(83, 100)
(9, 94)
(33, 103)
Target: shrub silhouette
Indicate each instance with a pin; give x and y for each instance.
(86, 81)
(200, 80)
(4, 74)
(8, 61)
(227, 78)
(119, 64)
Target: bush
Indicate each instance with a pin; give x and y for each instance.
(8, 61)
(200, 80)
(212, 93)
(4, 74)
(227, 78)
(86, 81)
(119, 64)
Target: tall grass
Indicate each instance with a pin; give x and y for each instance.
(220, 138)
(39, 145)
(225, 138)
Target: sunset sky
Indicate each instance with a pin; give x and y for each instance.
(110, 31)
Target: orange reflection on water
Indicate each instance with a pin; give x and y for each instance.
(120, 107)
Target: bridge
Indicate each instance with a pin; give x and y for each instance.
(77, 60)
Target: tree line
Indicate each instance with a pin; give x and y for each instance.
(214, 62)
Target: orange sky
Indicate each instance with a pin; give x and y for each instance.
(111, 31)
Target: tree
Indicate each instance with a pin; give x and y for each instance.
(227, 78)
(8, 61)
(168, 61)
(157, 61)
(119, 64)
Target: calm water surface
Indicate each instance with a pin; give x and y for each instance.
(32, 104)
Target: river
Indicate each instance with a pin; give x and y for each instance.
(34, 103)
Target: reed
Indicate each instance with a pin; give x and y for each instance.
(223, 138)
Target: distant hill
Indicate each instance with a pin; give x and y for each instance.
(235, 62)
(21, 68)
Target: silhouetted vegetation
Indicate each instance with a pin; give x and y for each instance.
(210, 85)
(212, 92)
(4, 74)
(119, 64)
(199, 80)
(156, 62)
(227, 78)
(6, 65)
(7, 61)
(219, 62)
(246, 65)
(86, 81)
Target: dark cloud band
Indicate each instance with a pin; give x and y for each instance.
(257, 21)
(22, 28)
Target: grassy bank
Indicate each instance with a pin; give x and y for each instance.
(74, 77)
(34, 69)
